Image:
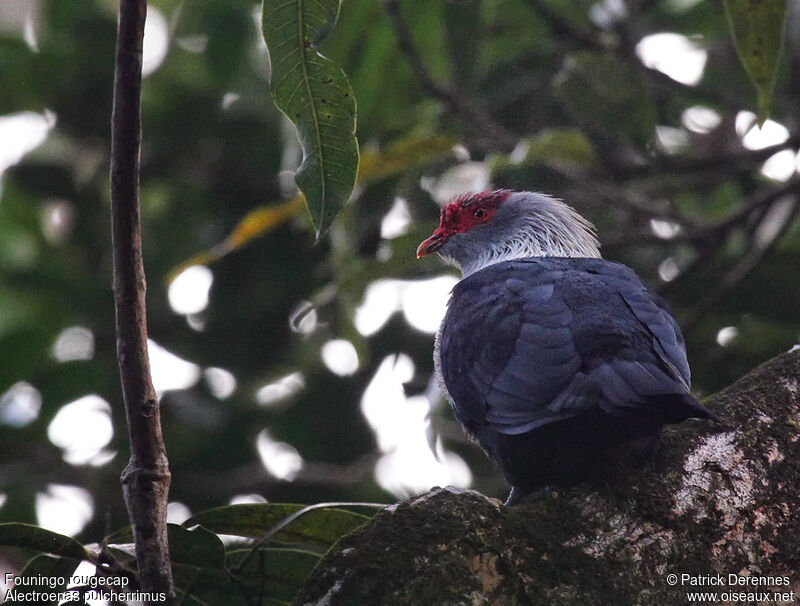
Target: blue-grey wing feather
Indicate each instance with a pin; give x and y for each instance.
(526, 343)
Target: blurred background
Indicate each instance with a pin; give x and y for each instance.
(300, 372)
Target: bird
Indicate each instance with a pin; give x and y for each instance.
(560, 364)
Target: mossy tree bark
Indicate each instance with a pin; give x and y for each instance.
(718, 500)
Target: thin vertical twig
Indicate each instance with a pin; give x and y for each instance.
(145, 480)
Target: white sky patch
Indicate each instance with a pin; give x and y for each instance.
(188, 292)
(780, 166)
(64, 509)
(666, 230)
(700, 119)
(156, 41)
(774, 221)
(177, 512)
(193, 43)
(84, 570)
(82, 429)
(381, 299)
(753, 137)
(400, 424)
(74, 343)
(221, 382)
(20, 405)
(244, 499)
(423, 302)
(461, 179)
(395, 223)
(21, 133)
(340, 356)
(679, 6)
(607, 13)
(169, 371)
(672, 140)
(57, 220)
(303, 318)
(280, 459)
(668, 270)
(675, 55)
(280, 390)
(228, 99)
(726, 335)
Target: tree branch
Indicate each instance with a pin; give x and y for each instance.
(145, 481)
(716, 501)
(455, 100)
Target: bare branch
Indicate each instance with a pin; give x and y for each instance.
(455, 100)
(145, 481)
(743, 158)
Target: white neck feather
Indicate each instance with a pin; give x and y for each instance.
(531, 225)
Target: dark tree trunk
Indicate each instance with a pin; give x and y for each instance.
(717, 503)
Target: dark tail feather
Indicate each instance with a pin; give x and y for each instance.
(677, 408)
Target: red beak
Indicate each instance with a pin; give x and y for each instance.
(432, 244)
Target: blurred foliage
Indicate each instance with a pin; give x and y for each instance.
(677, 197)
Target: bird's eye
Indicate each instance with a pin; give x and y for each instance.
(479, 213)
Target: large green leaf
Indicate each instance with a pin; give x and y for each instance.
(315, 95)
(280, 572)
(197, 547)
(40, 539)
(319, 528)
(757, 27)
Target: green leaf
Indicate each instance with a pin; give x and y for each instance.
(757, 28)
(374, 166)
(45, 567)
(34, 537)
(315, 95)
(281, 571)
(197, 547)
(319, 528)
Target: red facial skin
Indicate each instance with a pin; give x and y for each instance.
(462, 215)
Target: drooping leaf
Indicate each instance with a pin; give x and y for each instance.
(54, 569)
(374, 166)
(757, 28)
(315, 95)
(319, 528)
(33, 537)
